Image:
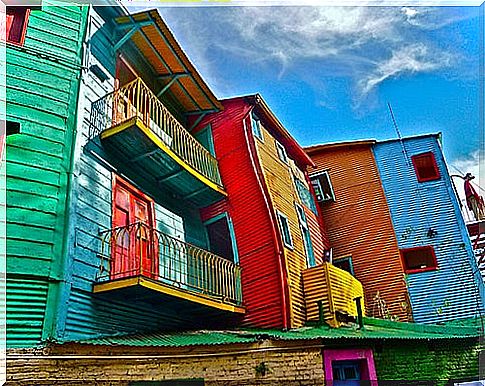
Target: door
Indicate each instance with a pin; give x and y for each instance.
(134, 244)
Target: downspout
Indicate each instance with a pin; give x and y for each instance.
(251, 147)
(59, 272)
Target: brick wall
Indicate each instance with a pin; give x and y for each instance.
(287, 363)
(436, 360)
(217, 365)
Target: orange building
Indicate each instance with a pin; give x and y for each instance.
(358, 224)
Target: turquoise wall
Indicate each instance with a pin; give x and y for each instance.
(83, 314)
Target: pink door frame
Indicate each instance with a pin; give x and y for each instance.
(369, 371)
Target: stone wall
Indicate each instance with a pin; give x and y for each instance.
(438, 360)
(263, 363)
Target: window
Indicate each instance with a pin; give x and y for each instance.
(349, 366)
(12, 127)
(16, 27)
(344, 371)
(256, 126)
(305, 195)
(425, 167)
(204, 136)
(419, 259)
(285, 230)
(323, 187)
(345, 263)
(221, 237)
(282, 152)
(307, 242)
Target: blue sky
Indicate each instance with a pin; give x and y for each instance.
(328, 72)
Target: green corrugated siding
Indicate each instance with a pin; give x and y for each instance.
(25, 310)
(42, 91)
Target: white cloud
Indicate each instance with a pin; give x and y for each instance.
(407, 59)
(367, 44)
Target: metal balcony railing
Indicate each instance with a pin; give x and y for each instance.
(139, 250)
(136, 100)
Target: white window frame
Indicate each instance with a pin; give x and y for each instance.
(281, 217)
(256, 127)
(316, 178)
(282, 154)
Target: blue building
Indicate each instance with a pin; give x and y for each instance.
(438, 261)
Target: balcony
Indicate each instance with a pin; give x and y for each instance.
(142, 135)
(330, 294)
(143, 263)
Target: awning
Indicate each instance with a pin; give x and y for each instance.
(155, 41)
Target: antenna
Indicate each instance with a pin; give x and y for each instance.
(394, 120)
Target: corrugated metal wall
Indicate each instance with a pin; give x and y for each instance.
(261, 282)
(359, 224)
(42, 86)
(450, 292)
(284, 195)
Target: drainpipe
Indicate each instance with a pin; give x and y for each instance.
(251, 147)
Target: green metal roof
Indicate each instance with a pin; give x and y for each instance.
(375, 329)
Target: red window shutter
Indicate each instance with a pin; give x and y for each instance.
(425, 167)
(16, 24)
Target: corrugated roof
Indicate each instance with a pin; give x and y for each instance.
(374, 329)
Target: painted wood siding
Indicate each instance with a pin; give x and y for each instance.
(359, 224)
(42, 91)
(282, 189)
(452, 291)
(261, 280)
(83, 314)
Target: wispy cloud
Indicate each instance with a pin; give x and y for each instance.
(410, 59)
(368, 44)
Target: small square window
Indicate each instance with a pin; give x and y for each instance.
(256, 126)
(322, 187)
(16, 24)
(419, 259)
(425, 167)
(282, 152)
(344, 263)
(285, 230)
(12, 127)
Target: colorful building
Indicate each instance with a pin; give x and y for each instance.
(142, 209)
(393, 220)
(141, 257)
(272, 207)
(43, 58)
(383, 352)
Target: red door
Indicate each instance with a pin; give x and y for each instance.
(134, 249)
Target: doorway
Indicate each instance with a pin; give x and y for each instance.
(134, 249)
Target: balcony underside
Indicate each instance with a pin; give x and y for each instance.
(170, 297)
(148, 154)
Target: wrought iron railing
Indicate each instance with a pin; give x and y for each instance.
(139, 250)
(136, 100)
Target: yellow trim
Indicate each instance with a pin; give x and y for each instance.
(137, 122)
(168, 290)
